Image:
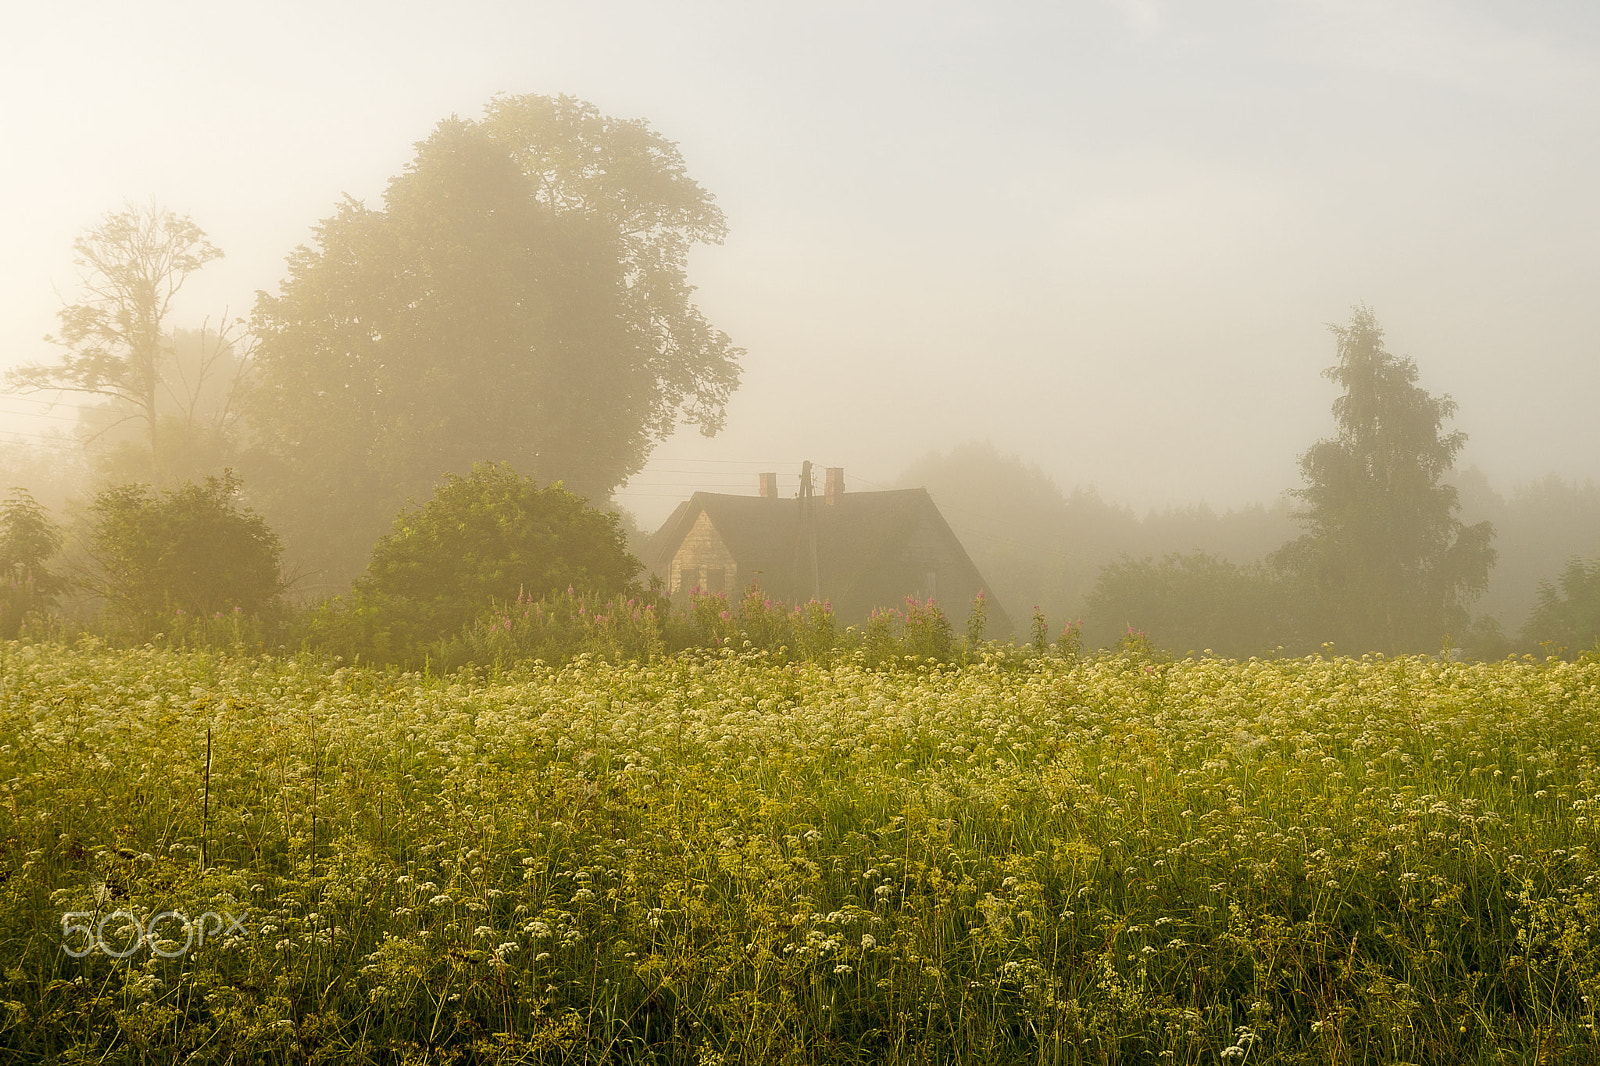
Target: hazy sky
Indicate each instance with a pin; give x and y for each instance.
(1106, 235)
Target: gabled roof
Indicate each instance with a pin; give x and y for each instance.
(852, 529)
(857, 535)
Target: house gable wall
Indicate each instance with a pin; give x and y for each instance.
(702, 552)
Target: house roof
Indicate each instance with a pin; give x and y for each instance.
(857, 534)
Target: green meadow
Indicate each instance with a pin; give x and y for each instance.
(721, 858)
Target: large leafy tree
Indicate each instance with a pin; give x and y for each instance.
(116, 339)
(520, 297)
(1383, 563)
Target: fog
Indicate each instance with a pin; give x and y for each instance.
(1106, 237)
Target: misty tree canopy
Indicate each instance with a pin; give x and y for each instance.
(194, 436)
(1384, 564)
(117, 344)
(520, 298)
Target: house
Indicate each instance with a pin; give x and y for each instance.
(856, 550)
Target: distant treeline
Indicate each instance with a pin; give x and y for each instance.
(1192, 578)
(495, 570)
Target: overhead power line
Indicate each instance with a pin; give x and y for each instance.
(39, 414)
(730, 462)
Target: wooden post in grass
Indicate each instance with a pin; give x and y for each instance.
(205, 810)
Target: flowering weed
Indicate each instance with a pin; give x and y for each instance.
(745, 857)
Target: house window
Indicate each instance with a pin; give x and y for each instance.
(688, 579)
(715, 580)
(930, 584)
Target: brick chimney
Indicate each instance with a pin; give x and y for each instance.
(833, 484)
(769, 486)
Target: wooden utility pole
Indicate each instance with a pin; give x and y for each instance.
(806, 536)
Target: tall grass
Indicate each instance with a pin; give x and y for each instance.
(558, 628)
(718, 857)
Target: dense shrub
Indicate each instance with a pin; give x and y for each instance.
(1567, 614)
(490, 537)
(192, 551)
(558, 628)
(1194, 602)
(28, 539)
